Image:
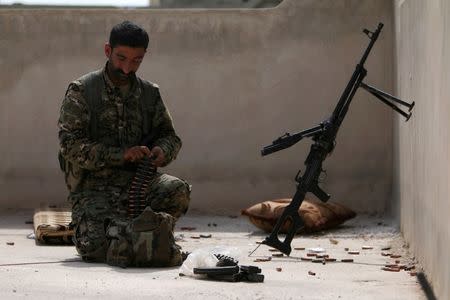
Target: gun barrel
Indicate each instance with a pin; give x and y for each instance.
(358, 75)
(275, 147)
(288, 140)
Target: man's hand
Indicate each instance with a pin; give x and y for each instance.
(136, 153)
(158, 156)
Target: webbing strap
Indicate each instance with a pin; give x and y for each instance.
(93, 87)
(145, 106)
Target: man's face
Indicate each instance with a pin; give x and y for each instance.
(124, 61)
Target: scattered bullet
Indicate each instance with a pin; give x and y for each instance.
(311, 273)
(317, 260)
(279, 269)
(299, 248)
(385, 254)
(367, 247)
(329, 259)
(205, 236)
(306, 258)
(353, 252)
(391, 269)
(346, 249)
(311, 254)
(395, 256)
(386, 248)
(322, 255)
(347, 260)
(263, 259)
(277, 255)
(195, 237)
(10, 243)
(188, 228)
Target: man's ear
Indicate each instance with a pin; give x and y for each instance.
(108, 50)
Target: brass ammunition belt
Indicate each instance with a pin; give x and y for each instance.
(139, 185)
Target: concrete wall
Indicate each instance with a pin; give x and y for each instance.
(422, 157)
(234, 80)
(215, 3)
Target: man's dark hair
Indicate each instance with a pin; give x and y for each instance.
(128, 34)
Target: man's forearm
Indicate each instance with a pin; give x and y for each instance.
(170, 145)
(90, 155)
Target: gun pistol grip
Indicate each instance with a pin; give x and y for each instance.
(319, 193)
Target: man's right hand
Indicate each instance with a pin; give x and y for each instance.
(136, 153)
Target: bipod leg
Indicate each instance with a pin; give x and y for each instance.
(380, 95)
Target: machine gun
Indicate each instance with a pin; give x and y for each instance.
(324, 136)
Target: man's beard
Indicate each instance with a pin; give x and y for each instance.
(119, 74)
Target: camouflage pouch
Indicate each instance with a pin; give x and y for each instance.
(120, 252)
(146, 241)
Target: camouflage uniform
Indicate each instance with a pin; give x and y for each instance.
(99, 200)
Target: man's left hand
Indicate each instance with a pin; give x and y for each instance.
(158, 156)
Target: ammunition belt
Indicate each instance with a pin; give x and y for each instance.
(146, 171)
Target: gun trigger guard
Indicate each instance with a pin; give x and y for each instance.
(322, 171)
(298, 177)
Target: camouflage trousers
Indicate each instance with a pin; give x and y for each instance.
(103, 231)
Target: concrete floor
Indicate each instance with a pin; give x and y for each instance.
(55, 272)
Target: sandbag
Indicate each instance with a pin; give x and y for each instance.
(316, 215)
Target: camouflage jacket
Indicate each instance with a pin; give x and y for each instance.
(119, 126)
